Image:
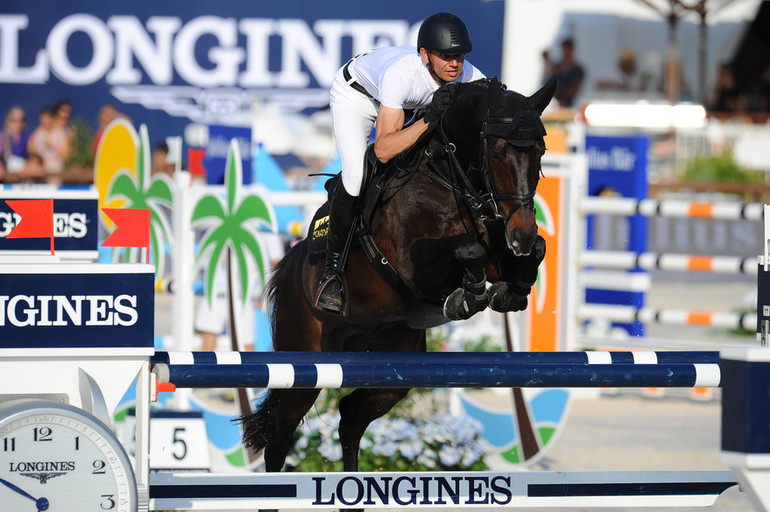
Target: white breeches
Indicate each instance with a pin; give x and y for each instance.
(353, 116)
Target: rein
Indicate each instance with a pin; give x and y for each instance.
(483, 204)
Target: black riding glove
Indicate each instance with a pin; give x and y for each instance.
(442, 98)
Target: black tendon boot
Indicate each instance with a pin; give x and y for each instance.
(332, 289)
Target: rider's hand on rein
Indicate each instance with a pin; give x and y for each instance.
(442, 98)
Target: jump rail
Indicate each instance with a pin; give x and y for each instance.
(371, 358)
(671, 208)
(325, 372)
(628, 314)
(626, 260)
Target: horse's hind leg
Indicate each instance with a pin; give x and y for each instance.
(291, 405)
(357, 411)
(290, 409)
(362, 406)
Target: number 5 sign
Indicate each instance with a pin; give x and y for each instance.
(178, 440)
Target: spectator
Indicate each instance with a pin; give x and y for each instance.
(44, 143)
(212, 320)
(625, 77)
(107, 114)
(52, 140)
(33, 170)
(160, 162)
(727, 96)
(569, 74)
(62, 112)
(13, 142)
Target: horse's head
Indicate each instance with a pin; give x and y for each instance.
(499, 138)
(511, 148)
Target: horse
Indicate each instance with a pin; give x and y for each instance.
(452, 232)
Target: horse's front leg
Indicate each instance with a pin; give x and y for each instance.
(519, 275)
(458, 260)
(472, 296)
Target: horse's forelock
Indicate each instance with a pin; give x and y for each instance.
(514, 119)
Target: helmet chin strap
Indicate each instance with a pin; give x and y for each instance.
(440, 80)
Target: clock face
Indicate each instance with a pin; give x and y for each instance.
(58, 458)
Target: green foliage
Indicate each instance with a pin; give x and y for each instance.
(486, 343)
(720, 169)
(82, 154)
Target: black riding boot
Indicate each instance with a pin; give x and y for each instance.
(332, 289)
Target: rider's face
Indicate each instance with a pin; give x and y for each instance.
(447, 66)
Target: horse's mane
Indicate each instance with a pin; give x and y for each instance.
(462, 89)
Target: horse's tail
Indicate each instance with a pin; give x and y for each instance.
(283, 270)
(257, 426)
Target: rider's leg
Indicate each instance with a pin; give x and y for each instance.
(342, 214)
(353, 116)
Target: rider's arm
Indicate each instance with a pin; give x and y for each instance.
(392, 138)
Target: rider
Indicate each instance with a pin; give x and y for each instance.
(379, 86)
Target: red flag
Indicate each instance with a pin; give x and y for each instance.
(195, 161)
(36, 219)
(132, 228)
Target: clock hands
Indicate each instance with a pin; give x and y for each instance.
(40, 503)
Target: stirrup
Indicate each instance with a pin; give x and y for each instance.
(332, 295)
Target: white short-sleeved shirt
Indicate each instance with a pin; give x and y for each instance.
(397, 77)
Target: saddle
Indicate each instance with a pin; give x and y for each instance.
(377, 177)
(374, 179)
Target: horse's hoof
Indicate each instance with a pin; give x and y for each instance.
(461, 305)
(503, 299)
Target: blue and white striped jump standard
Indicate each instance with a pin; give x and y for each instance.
(316, 370)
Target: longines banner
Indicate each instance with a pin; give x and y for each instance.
(170, 63)
(75, 223)
(76, 305)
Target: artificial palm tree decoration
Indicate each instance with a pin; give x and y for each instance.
(146, 191)
(231, 224)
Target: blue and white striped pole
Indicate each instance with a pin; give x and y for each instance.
(326, 372)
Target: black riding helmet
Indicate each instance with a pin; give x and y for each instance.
(445, 33)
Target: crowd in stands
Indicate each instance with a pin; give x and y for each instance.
(729, 97)
(37, 156)
(40, 155)
(626, 79)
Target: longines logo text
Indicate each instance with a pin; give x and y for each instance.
(67, 225)
(17, 467)
(62, 310)
(42, 471)
(414, 490)
(144, 60)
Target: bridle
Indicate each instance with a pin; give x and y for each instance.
(526, 199)
(484, 203)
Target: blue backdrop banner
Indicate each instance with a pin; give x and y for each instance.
(168, 64)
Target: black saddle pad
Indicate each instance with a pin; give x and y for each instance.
(317, 231)
(319, 227)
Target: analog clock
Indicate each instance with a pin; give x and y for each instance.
(58, 457)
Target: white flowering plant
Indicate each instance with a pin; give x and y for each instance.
(438, 442)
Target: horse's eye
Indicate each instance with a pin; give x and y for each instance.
(495, 154)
